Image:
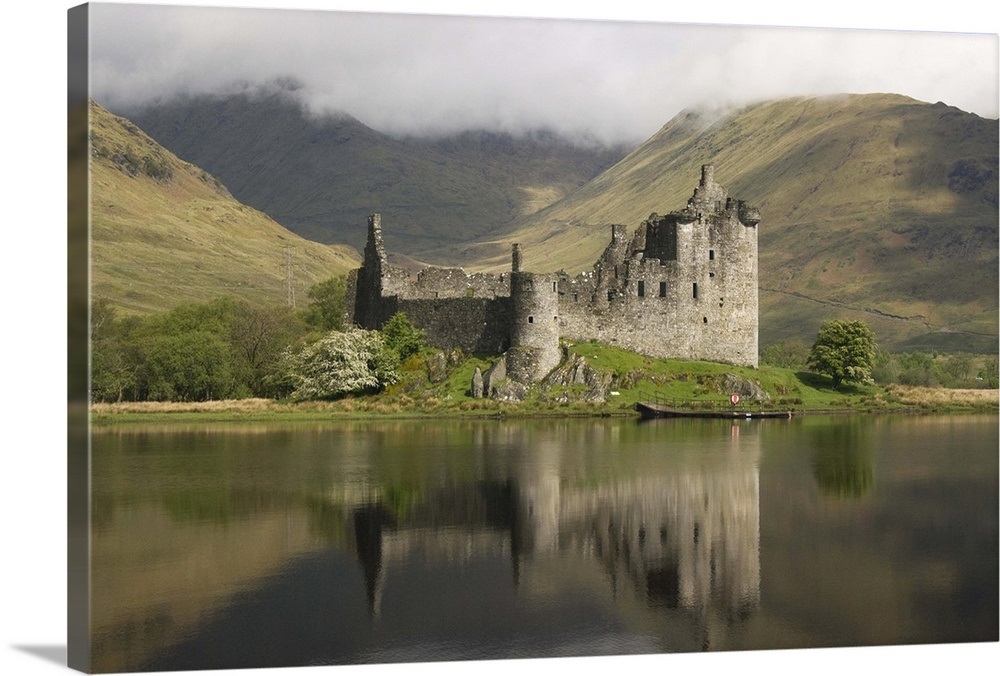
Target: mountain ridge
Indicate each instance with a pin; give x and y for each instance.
(868, 201)
(321, 176)
(877, 206)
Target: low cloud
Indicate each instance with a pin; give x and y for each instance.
(612, 81)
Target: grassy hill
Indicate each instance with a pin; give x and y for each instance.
(322, 176)
(877, 207)
(164, 232)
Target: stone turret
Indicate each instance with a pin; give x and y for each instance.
(534, 331)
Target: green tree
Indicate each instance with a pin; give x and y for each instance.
(990, 373)
(789, 354)
(116, 358)
(352, 361)
(258, 335)
(886, 370)
(325, 310)
(845, 351)
(959, 366)
(189, 366)
(402, 336)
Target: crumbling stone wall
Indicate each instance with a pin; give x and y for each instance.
(682, 285)
(474, 325)
(470, 312)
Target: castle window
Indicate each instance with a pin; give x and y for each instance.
(555, 318)
(531, 319)
(711, 254)
(663, 289)
(616, 272)
(611, 294)
(704, 320)
(576, 297)
(694, 290)
(711, 274)
(554, 287)
(642, 289)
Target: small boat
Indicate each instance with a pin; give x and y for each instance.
(648, 409)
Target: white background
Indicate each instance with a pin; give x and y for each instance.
(32, 380)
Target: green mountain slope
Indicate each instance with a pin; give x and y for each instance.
(322, 176)
(164, 232)
(876, 206)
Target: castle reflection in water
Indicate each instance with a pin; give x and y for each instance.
(685, 538)
(645, 539)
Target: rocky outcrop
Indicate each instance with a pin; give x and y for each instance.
(508, 390)
(576, 371)
(748, 390)
(437, 368)
(494, 375)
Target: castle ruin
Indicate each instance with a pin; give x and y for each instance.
(684, 285)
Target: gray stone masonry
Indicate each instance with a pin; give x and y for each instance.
(683, 285)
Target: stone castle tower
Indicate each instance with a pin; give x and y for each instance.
(683, 285)
(534, 323)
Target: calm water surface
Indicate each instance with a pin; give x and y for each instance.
(276, 545)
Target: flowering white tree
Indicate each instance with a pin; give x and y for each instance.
(342, 362)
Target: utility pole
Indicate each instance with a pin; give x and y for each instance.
(289, 278)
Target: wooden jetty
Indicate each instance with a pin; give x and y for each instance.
(648, 409)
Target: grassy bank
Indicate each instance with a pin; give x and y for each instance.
(433, 384)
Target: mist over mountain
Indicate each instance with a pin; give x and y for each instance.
(321, 176)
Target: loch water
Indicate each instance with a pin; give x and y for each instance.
(264, 545)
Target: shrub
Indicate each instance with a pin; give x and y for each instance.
(402, 336)
(353, 361)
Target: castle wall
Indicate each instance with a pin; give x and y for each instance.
(436, 282)
(683, 285)
(470, 312)
(474, 325)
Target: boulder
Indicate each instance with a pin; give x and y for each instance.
(477, 384)
(748, 390)
(494, 375)
(508, 390)
(437, 368)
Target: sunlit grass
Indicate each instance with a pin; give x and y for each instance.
(634, 378)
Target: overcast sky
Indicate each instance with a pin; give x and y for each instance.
(614, 80)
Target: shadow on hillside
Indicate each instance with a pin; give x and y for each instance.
(825, 383)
